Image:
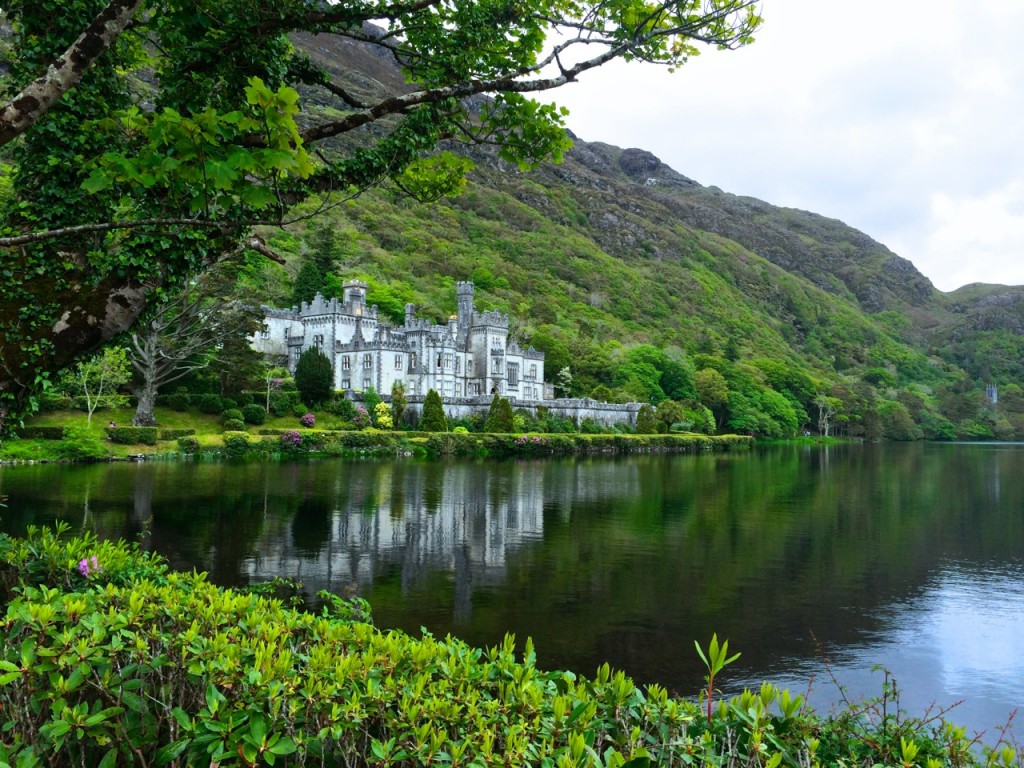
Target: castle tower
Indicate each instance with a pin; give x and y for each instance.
(355, 296)
(464, 291)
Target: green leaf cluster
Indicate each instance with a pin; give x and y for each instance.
(133, 662)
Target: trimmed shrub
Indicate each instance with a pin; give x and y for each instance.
(244, 399)
(55, 403)
(341, 407)
(282, 402)
(133, 435)
(231, 414)
(307, 420)
(236, 444)
(433, 419)
(499, 417)
(646, 421)
(188, 445)
(43, 433)
(254, 414)
(234, 425)
(211, 404)
(174, 434)
(180, 400)
(228, 403)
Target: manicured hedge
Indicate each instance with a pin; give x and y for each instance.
(133, 435)
(504, 445)
(174, 434)
(42, 433)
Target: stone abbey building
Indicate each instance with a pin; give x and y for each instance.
(472, 356)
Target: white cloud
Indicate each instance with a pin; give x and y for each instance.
(970, 237)
(898, 118)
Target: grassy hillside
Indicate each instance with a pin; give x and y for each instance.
(612, 251)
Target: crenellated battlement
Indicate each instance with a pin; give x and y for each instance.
(468, 355)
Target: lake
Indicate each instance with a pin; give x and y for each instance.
(817, 563)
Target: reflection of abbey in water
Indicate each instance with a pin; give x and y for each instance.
(428, 519)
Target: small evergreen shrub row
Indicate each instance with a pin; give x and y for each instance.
(506, 445)
(81, 403)
(174, 434)
(43, 433)
(133, 435)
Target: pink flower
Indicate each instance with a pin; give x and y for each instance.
(89, 565)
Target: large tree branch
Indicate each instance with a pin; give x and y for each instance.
(41, 94)
(516, 82)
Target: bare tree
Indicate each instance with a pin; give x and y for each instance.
(184, 336)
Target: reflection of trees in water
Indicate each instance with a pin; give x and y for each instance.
(311, 525)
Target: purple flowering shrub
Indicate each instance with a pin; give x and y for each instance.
(89, 566)
(307, 420)
(361, 418)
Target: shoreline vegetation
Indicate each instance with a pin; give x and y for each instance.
(65, 436)
(110, 658)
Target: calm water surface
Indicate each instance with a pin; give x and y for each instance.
(816, 563)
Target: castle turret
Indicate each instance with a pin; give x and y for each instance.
(464, 291)
(355, 296)
(410, 314)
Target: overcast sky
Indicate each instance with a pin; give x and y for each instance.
(902, 118)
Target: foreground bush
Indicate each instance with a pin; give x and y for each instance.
(109, 659)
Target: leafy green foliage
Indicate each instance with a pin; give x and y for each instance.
(646, 421)
(109, 657)
(433, 419)
(133, 435)
(499, 416)
(161, 192)
(399, 403)
(100, 375)
(254, 414)
(314, 377)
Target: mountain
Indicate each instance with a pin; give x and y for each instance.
(635, 277)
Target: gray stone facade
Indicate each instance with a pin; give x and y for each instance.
(472, 355)
(466, 361)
